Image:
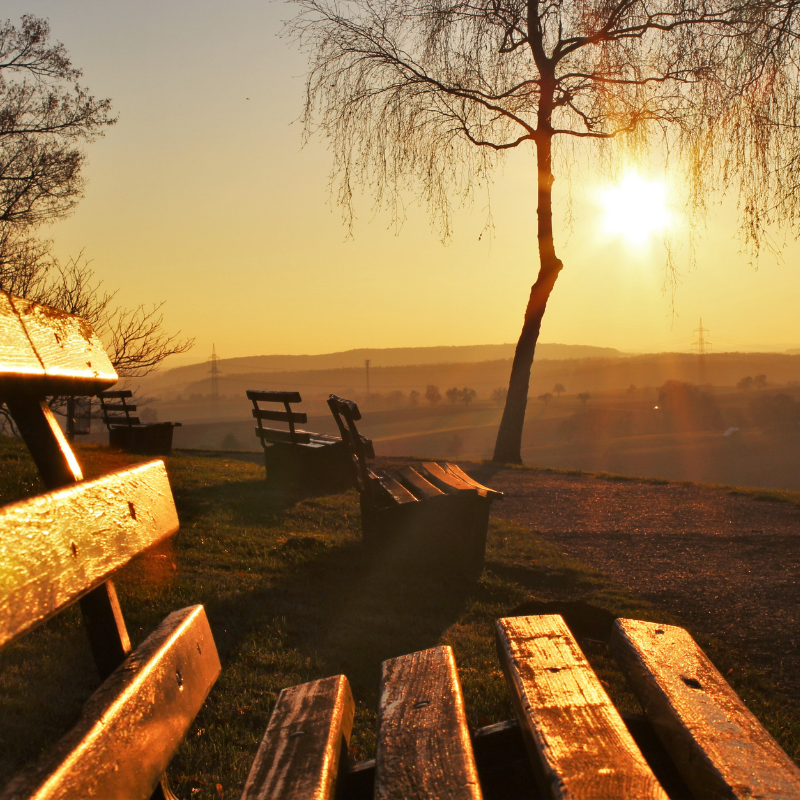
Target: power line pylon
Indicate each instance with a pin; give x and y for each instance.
(702, 347)
(366, 366)
(215, 373)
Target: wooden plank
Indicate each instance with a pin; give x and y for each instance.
(122, 422)
(397, 493)
(118, 407)
(132, 725)
(483, 491)
(116, 395)
(423, 748)
(49, 352)
(577, 741)
(57, 546)
(298, 757)
(445, 481)
(274, 397)
(274, 435)
(418, 486)
(719, 747)
(281, 416)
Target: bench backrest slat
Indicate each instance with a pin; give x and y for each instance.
(299, 417)
(299, 755)
(576, 738)
(273, 397)
(122, 408)
(346, 414)
(53, 353)
(132, 725)
(118, 394)
(275, 435)
(423, 748)
(74, 538)
(719, 747)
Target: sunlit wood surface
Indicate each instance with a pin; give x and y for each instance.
(720, 748)
(572, 730)
(57, 546)
(53, 352)
(298, 757)
(423, 748)
(132, 725)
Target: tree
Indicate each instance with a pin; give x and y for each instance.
(433, 395)
(499, 395)
(413, 398)
(467, 395)
(45, 119)
(453, 395)
(760, 381)
(546, 397)
(746, 383)
(584, 397)
(559, 389)
(427, 96)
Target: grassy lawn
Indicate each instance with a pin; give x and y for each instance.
(292, 596)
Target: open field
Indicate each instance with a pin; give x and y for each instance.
(291, 596)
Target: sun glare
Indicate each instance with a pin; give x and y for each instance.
(635, 209)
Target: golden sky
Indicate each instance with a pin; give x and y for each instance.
(203, 197)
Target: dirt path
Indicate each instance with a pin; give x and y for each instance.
(725, 564)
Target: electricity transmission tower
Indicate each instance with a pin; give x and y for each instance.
(702, 347)
(215, 373)
(366, 365)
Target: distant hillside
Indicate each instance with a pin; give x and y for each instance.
(179, 378)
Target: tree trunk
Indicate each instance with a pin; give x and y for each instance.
(509, 437)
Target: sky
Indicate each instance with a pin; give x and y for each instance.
(204, 197)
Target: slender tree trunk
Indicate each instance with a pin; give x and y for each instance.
(509, 437)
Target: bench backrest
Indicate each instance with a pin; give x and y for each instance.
(346, 414)
(62, 546)
(292, 418)
(119, 412)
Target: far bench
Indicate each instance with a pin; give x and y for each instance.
(127, 433)
(296, 456)
(578, 745)
(432, 513)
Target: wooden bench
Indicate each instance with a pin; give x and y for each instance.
(431, 512)
(64, 546)
(127, 433)
(567, 741)
(296, 456)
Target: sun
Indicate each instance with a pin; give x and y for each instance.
(635, 209)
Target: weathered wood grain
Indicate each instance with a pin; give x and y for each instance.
(49, 352)
(415, 483)
(719, 747)
(392, 489)
(132, 725)
(298, 757)
(483, 491)
(423, 748)
(449, 483)
(57, 546)
(578, 743)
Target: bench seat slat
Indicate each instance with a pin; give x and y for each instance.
(299, 417)
(576, 739)
(57, 546)
(274, 397)
(719, 747)
(483, 491)
(275, 435)
(417, 485)
(133, 724)
(423, 748)
(398, 493)
(49, 352)
(449, 483)
(298, 757)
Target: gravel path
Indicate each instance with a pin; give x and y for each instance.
(724, 563)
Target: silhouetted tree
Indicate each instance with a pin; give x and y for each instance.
(760, 382)
(499, 395)
(584, 397)
(427, 96)
(413, 398)
(546, 397)
(559, 389)
(433, 395)
(453, 395)
(746, 383)
(467, 395)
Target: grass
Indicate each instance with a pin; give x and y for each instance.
(292, 596)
